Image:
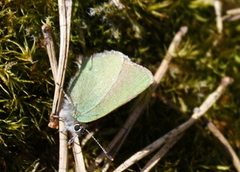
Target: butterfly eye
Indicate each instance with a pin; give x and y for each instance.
(78, 128)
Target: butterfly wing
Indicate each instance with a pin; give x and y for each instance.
(121, 81)
(94, 80)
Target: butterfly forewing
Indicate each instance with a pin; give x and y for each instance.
(94, 81)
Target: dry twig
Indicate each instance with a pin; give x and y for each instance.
(218, 12)
(223, 140)
(48, 42)
(161, 153)
(198, 112)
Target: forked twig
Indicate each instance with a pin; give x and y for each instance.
(48, 42)
(65, 10)
(232, 15)
(198, 112)
(124, 131)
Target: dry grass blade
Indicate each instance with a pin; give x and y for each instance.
(233, 11)
(170, 53)
(161, 153)
(63, 158)
(77, 152)
(223, 140)
(198, 112)
(65, 8)
(63, 152)
(123, 133)
(48, 41)
(232, 15)
(64, 19)
(218, 11)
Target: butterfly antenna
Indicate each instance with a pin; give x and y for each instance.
(104, 151)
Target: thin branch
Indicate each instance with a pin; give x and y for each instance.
(232, 15)
(223, 140)
(48, 41)
(233, 11)
(157, 157)
(63, 151)
(170, 54)
(124, 131)
(218, 12)
(198, 112)
(78, 156)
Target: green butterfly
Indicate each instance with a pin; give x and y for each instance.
(104, 82)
